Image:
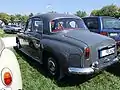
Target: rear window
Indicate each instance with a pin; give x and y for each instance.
(91, 23)
(66, 24)
(111, 23)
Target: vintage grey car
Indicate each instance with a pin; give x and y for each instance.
(61, 43)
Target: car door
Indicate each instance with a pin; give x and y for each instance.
(24, 36)
(35, 37)
(92, 24)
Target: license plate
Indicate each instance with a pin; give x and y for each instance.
(106, 52)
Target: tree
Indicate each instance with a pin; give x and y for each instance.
(18, 16)
(95, 13)
(81, 13)
(5, 18)
(12, 18)
(24, 18)
(109, 10)
(31, 14)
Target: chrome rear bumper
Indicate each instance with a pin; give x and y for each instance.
(80, 70)
(90, 70)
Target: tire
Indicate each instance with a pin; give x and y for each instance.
(52, 67)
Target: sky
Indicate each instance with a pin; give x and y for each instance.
(61, 6)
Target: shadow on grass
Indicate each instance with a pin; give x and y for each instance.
(66, 81)
(114, 69)
(36, 65)
(75, 80)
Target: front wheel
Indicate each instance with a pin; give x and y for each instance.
(52, 67)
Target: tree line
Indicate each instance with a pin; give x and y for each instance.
(109, 10)
(6, 18)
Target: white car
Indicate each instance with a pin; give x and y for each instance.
(10, 76)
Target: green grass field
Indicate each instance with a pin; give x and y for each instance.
(35, 78)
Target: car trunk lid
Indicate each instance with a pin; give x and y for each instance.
(96, 43)
(85, 36)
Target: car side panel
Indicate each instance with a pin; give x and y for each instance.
(64, 52)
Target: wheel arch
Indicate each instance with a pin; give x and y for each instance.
(62, 62)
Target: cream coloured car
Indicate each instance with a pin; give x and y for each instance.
(10, 76)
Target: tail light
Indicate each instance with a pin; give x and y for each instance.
(104, 33)
(87, 53)
(6, 77)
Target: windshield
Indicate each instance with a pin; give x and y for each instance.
(111, 23)
(67, 24)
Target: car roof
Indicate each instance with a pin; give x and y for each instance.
(51, 16)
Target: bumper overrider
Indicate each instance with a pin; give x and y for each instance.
(89, 70)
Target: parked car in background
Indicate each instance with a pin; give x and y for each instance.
(104, 25)
(64, 45)
(12, 29)
(10, 76)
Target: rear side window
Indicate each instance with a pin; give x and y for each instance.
(91, 23)
(111, 23)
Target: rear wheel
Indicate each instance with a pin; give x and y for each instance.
(52, 67)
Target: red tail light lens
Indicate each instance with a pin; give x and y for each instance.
(7, 78)
(104, 33)
(87, 53)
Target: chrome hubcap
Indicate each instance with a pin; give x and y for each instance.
(51, 66)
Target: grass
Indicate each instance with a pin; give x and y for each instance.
(35, 78)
